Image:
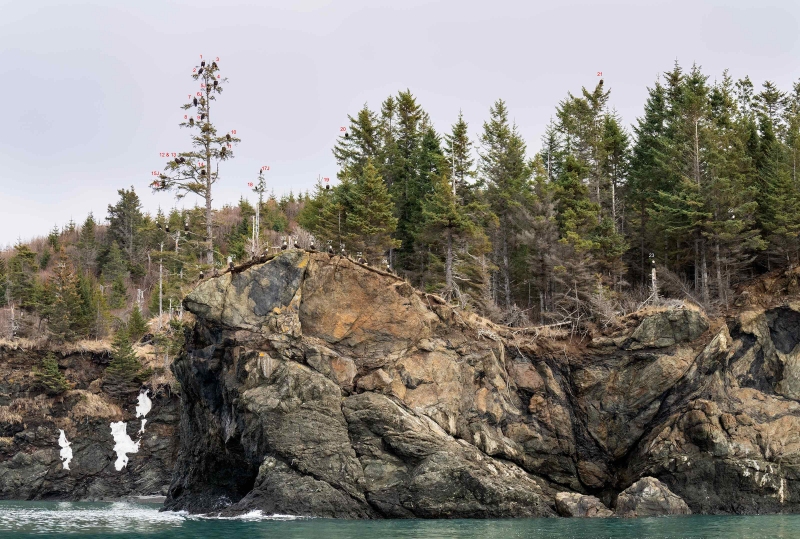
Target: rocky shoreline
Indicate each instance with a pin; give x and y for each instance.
(314, 386)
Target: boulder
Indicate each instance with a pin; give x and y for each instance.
(667, 328)
(649, 497)
(572, 504)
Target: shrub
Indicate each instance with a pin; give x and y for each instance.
(125, 373)
(137, 326)
(50, 377)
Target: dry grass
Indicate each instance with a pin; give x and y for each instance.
(40, 405)
(91, 405)
(23, 344)
(8, 416)
(87, 345)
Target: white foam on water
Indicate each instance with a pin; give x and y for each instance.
(122, 444)
(251, 515)
(71, 518)
(66, 450)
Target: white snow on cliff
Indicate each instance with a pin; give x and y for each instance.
(122, 444)
(66, 450)
(143, 408)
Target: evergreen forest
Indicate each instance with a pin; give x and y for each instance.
(703, 188)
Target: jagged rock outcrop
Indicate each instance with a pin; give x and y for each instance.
(313, 385)
(30, 421)
(572, 504)
(649, 497)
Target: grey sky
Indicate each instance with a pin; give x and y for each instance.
(91, 90)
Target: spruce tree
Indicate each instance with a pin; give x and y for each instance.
(22, 289)
(64, 311)
(137, 325)
(125, 221)
(504, 171)
(124, 374)
(49, 377)
(370, 221)
(458, 151)
(197, 170)
(446, 223)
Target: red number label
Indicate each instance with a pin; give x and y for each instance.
(599, 73)
(342, 129)
(185, 116)
(326, 180)
(202, 86)
(265, 168)
(202, 165)
(198, 94)
(217, 58)
(229, 146)
(219, 76)
(174, 154)
(201, 56)
(249, 184)
(233, 131)
(155, 173)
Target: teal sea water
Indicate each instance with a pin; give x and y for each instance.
(124, 520)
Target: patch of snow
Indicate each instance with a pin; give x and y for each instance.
(66, 450)
(145, 404)
(122, 444)
(143, 408)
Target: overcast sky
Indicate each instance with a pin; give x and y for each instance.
(91, 91)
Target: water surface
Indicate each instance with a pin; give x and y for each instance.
(127, 520)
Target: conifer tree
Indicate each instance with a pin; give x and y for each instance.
(359, 143)
(115, 273)
(458, 151)
(541, 236)
(125, 221)
(49, 377)
(124, 374)
(445, 222)
(22, 288)
(648, 175)
(370, 221)
(197, 170)
(505, 172)
(63, 313)
(87, 244)
(137, 326)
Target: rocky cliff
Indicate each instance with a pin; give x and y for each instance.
(312, 385)
(31, 421)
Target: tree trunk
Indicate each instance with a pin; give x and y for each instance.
(506, 272)
(720, 285)
(705, 274)
(448, 265)
(210, 252)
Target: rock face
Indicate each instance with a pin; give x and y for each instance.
(30, 466)
(649, 497)
(572, 504)
(312, 385)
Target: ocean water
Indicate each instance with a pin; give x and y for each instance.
(123, 520)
